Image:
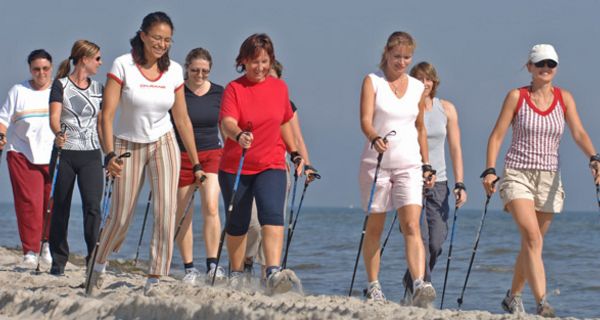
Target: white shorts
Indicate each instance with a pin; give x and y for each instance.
(395, 188)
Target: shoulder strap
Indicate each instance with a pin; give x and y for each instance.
(522, 94)
(559, 96)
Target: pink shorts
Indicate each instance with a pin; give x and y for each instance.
(209, 160)
(395, 188)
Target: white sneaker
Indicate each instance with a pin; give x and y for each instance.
(219, 276)
(151, 287)
(30, 259)
(237, 280)
(424, 294)
(190, 275)
(46, 256)
(374, 292)
(279, 282)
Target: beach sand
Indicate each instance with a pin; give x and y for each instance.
(25, 295)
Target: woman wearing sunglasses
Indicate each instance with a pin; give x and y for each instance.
(531, 188)
(75, 102)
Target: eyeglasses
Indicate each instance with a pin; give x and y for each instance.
(156, 38)
(548, 63)
(204, 71)
(39, 69)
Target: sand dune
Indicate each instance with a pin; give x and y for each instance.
(25, 295)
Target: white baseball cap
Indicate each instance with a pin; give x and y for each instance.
(541, 52)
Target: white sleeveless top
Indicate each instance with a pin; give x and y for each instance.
(399, 114)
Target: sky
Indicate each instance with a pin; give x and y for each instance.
(327, 47)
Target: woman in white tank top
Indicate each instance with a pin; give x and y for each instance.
(531, 188)
(393, 100)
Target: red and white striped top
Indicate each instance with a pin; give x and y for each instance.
(536, 134)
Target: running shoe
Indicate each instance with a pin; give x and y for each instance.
(423, 295)
(190, 275)
(220, 277)
(96, 281)
(279, 282)
(151, 287)
(237, 280)
(374, 292)
(544, 309)
(513, 303)
(30, 259)
(57, 271)
(46, 256)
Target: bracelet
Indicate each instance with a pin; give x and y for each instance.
(109, 157)
(488, 171)
(374, 140)
(595, 157)
(427, 168)
(460, 186)
(197, 167)
(295, 157)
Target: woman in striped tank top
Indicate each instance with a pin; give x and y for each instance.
(531, 188)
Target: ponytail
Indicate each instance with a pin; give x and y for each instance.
(64, 68)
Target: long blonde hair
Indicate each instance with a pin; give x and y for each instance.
(80, 49)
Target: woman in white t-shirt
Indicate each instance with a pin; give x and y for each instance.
(393, 100)
(145, 84)
(28, 139)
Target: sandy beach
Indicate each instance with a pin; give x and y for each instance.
(25, 295)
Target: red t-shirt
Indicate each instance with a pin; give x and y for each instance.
(264, 105)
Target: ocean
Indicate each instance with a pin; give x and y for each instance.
(326, 240)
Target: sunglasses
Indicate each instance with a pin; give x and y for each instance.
(98, 58)
(548, 63)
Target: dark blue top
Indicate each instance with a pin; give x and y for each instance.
(204, 114)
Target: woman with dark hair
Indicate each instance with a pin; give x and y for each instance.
(145, 84)
(28, 138)
(531, 188)
(255, 116)
(75, 101)
(203, 100)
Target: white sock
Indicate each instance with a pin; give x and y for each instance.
(100, 267)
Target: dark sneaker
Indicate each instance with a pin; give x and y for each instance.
(513, 303)
(544, 309)
(57, 271)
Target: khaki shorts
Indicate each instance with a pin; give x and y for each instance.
(544, 188)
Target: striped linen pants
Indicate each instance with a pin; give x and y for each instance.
(161, 159)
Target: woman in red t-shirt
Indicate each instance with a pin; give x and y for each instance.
(255, 115)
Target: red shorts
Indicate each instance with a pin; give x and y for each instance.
(209, 160)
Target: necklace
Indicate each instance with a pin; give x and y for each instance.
(394, 88)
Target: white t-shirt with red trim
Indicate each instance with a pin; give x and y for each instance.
(145, 103)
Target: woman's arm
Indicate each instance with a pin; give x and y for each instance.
(455, 148)
(55, 111)
(110, 100)
(422, 139)
(288, 138)
(99, 129)
(580, 136)
(497, 136)
(186, 132)
(367, 112)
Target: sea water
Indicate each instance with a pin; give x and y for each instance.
(325, 244)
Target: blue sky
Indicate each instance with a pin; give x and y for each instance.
(327, 47)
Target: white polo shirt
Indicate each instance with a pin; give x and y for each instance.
(26, 115)
(145, 103)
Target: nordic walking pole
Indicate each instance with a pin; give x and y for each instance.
(364, 228)
(137, 252)
(291, 232)
(487, 201)
(291, 219)
(1, 138)
(46, 215)
(460, 187)
(185, 212)
(108, 188)
(231, 201)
